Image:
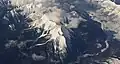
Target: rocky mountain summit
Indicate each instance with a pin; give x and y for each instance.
(59, 32)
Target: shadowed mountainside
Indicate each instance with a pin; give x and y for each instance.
(58, 32)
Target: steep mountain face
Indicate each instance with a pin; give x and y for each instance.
(59, 32)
